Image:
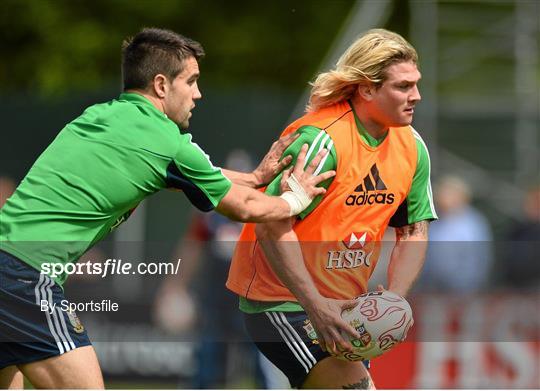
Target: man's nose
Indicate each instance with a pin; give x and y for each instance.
(415, 96)
(197, 93)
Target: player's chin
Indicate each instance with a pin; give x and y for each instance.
(405, 120)
(401, 123)
(184, 124)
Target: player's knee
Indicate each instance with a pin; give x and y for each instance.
(78, 368)
(362, 383)
(334, 373)
(11, 378)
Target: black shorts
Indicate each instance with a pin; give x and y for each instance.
(28, 333)
(289, 341)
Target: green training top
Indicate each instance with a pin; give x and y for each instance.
(95, 173)
(417, 207)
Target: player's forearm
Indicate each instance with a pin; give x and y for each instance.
(248, 179)
(248, 205)
(280, 245)
(408, 257)
(405, 265)
(260, 208)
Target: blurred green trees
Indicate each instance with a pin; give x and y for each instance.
(57, 46)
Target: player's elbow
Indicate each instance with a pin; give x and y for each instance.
(254, 212)
(248, 215)
(245, 212)
(238, 206)
(237, 214)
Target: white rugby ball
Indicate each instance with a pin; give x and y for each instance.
(382, 319)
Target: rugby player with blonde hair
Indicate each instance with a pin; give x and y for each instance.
(295, 276)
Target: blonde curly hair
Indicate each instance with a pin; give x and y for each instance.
(365, 61)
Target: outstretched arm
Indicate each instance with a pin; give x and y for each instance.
(408, 257)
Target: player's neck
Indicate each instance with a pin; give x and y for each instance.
(374, 128)
(152, 98)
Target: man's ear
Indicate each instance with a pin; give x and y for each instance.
(365, 91)
(159, 85)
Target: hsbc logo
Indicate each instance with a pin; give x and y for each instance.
(355, 240)
(370, 192)
(356, 254)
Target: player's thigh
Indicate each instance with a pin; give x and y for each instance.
(11, 378)
(31, 334)
(78, 368)
(332, 373)
(288, 340)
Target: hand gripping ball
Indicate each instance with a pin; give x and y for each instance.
(382, 319)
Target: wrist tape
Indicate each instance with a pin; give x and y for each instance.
(297, 198)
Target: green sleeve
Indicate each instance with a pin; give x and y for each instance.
(316, 139)
(193, 172)
(418, 205)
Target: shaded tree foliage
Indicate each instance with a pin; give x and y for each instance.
(57, 46)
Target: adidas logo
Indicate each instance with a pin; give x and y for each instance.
(370, 191)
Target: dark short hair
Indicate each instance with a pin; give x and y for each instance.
(153, 51)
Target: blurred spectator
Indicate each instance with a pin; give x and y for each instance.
(521, 268)
(7, 187)
(206, 253)
(460, 253)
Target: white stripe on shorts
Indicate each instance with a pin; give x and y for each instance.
(297, 337)
(64, 327)
(290, 341)
(61, 333)
(38, 287)
(43, 296)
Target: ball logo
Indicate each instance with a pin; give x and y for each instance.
(365, 337)
(371, 191)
